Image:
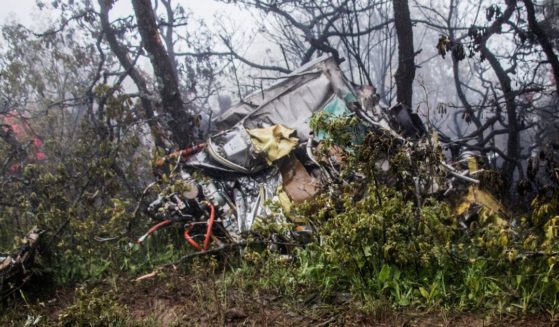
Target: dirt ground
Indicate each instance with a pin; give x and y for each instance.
(168, 305)
(176, 299)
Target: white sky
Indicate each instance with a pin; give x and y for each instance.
(19, 10)
(211, 11)
(26, 11)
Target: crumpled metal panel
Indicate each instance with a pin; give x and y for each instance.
(291, 102)
(252, 193)
(234, 149)
(250, 103)
(202, 160)
(292, 110)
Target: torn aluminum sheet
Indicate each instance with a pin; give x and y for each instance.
(234, 149)
(291, 101)
(238, 200)
(246, 151)
(253, 193)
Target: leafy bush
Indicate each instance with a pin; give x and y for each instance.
(84, 196)
(386, 245)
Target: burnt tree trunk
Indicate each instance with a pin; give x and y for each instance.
(406, 65)
(180, 119)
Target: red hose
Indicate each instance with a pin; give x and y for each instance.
(190, 240)
(210, 225)
(185, 153)
(193, 149)
(208, 236)
(187, 236)
(153, 229)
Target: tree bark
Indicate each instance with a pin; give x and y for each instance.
(180, 119)
(122, 55)
(168, 34)
(406, 65)
(543, 40)
(513, 140)
(457, 83)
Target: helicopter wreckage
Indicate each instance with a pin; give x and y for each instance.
(267, 153)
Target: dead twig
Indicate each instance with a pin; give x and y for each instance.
(144, 192)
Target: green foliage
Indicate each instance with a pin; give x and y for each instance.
(396, 253)
(385, 247)
(84, 197)
(341, 130)
(376, 240)
(94, 308)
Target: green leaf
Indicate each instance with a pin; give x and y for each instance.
(384, 274)
(424, 293)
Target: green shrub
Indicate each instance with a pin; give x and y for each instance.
(94, 308)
